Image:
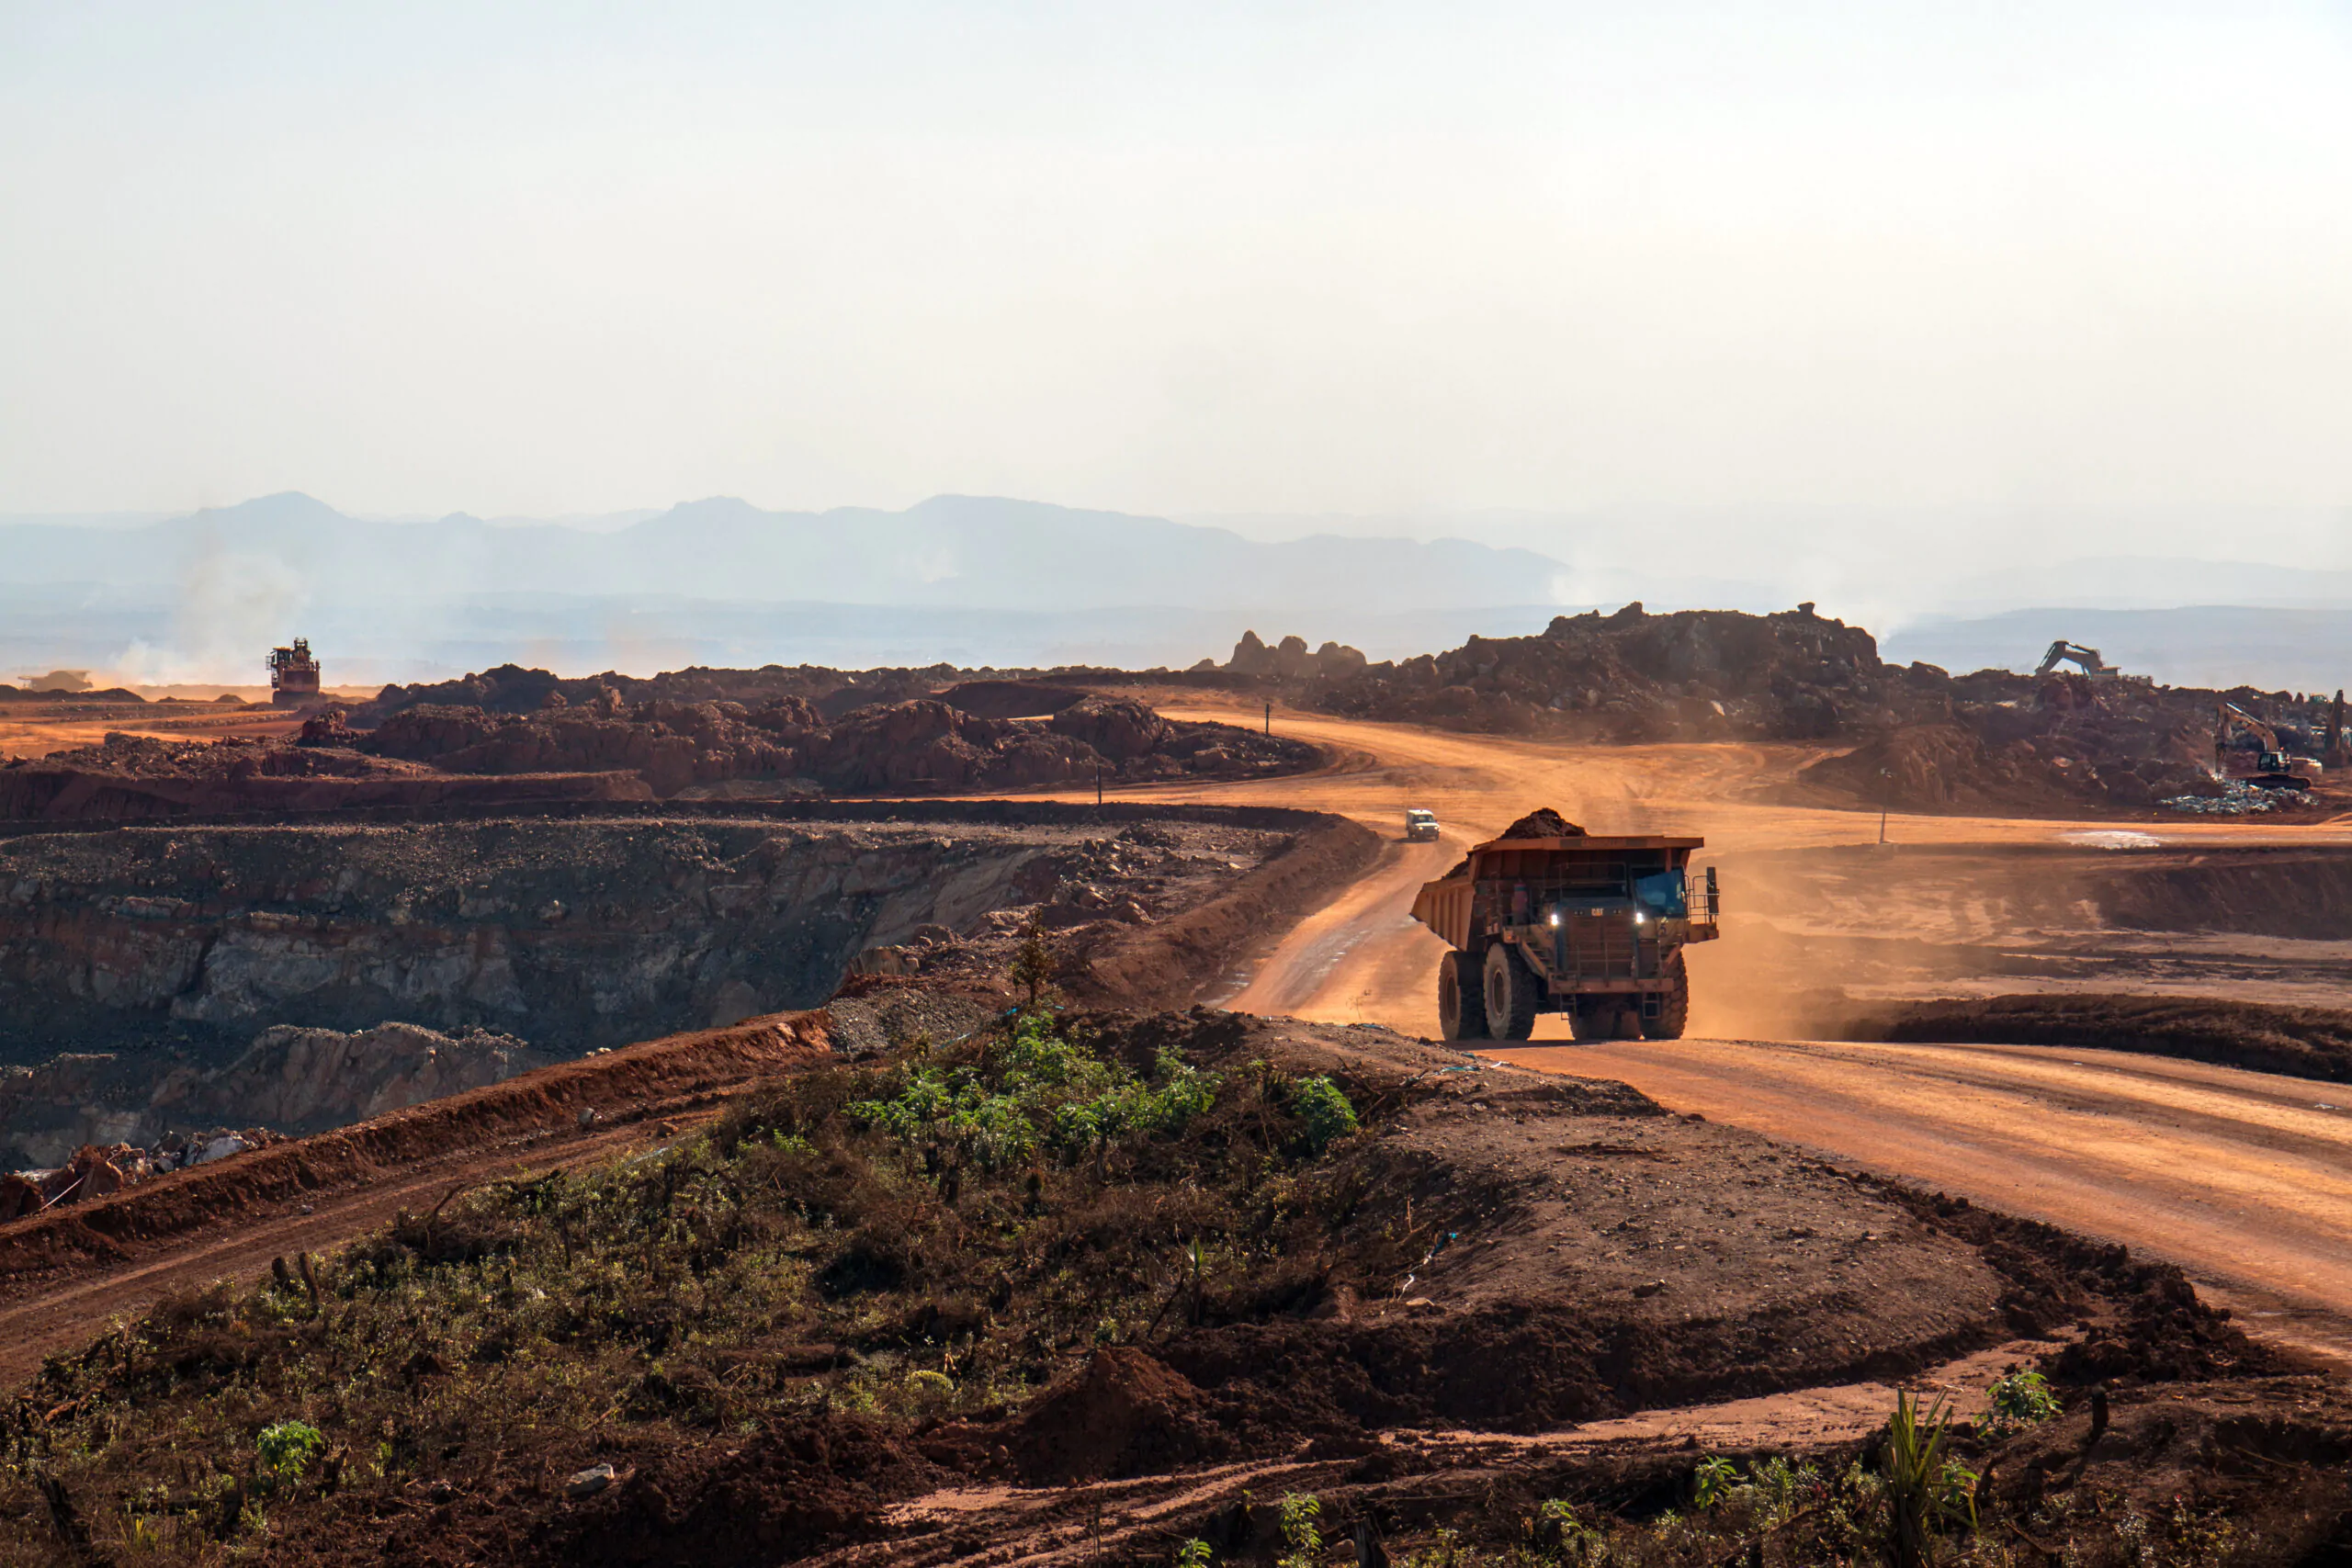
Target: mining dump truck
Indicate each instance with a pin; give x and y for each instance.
(1551, 918)
(293, 675)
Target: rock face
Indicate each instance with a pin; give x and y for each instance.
(570, 933)
(290, 1080)
(574, 934)
(1290, 660)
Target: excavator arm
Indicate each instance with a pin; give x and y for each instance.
(2064, 652)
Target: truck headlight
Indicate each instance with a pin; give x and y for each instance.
(1554, 917)
(1640, 919)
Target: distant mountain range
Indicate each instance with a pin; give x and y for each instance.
(979, 580)
(971, 579)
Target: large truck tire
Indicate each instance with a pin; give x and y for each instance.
(1511, 993)
(1461, 999)
(1673, 1004)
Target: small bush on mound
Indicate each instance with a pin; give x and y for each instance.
(935, 1236)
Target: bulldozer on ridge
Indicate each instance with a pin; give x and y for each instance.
(1551, 918)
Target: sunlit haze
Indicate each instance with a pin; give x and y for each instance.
(2005, 262)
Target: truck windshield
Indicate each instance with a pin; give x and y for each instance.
(1664, 895)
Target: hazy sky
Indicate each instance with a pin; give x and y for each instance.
(1942, 259)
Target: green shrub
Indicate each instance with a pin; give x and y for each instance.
(1715, 1477)
(1323, 1106)
(1302, 1531)
(286, 1448)
(2021, 1399)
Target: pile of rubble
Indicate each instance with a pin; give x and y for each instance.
(607, 746)
(1631, 676)
(923, 745)
(95, 1172)
(290, 1080)
(1911, 737)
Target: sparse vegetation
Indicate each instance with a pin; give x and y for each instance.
(933, 1234)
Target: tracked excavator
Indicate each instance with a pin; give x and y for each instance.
(2271, 767)
(2064, 652)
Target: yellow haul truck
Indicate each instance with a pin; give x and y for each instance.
(1548, 921)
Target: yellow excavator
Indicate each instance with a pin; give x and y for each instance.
(2271, 767)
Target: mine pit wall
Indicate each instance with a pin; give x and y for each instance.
(573, 927)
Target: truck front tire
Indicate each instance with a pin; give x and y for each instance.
(1461, 1003)
(1673, 1005)
(1511, 993)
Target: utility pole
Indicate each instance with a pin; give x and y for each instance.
(1098, 781)
(1885, 796)
(1270, 717)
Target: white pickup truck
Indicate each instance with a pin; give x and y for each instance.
(1420, 826)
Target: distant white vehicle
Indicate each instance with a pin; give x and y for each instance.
(1419, 825)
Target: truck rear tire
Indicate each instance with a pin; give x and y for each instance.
(1673, 1005)
(1461, 1003)
(1511, 993)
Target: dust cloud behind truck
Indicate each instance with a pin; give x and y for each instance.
(1551, 918)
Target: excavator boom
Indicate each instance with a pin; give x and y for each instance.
(2064, 652)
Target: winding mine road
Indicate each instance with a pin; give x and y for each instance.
(2243, 1178)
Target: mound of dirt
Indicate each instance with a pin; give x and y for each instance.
(1010, 699)
(1541, 823)
(1944, 767)
(2311, 1043)
(921, 746)
(140, 778)
(783, 1493)
(1127, 1414)
(1695, 674)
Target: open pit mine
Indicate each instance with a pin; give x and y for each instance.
(959, 1117)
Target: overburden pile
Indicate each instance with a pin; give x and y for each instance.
(608, 747)
(1914, 737)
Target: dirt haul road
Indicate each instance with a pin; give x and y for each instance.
(2243, 1178)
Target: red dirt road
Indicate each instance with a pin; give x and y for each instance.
(2243, 1178)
